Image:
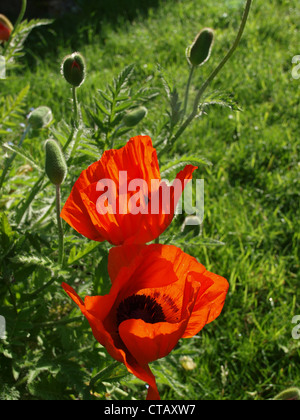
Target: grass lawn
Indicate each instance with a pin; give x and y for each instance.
(251, 205)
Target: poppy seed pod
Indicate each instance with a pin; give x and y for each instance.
(199, 52)
(73, 69)
(40, 117)
(134, 117)
(55, 167)
(5, 28)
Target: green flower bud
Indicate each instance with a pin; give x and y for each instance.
(199, 52)
(289, 394)
(73, 69)
(40, 117)
(55, 167)
(134, 117)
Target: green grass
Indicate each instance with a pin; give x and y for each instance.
(251, 204)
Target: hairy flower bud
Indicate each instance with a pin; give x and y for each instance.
(73, 69)
(55, 167)
(199, 52)
(134, 117)
(5, 28)
(289, 394)
(40, 117)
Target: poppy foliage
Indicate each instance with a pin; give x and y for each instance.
(159, 294)
(122, 199)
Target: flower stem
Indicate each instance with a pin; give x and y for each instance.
(75, 106)
(215, 73)
(188, 89)
(60, 228)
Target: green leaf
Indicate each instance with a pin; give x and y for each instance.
(101, 278)
(15, 48)
(182, 162)
(223, 99)
(106, 374)
(102, 108)
(122, 79)
(87, 249)
(21, 152)
(6, 233)
(12, 108)
(105, 96)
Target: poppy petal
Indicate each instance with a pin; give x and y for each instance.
(209, 304)
(118, 225)
(149, 342)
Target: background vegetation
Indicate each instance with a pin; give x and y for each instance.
(251, 201)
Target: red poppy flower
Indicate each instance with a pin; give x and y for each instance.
(5, 28)
(159, 295)
(121, 198)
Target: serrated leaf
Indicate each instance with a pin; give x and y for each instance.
(105, 96)
(15, 47)
(122, 79)
(102, 108)
(123, 106)
(223, 99)
(12, 108)
(182, 162)
(74, 257)
(25, 155)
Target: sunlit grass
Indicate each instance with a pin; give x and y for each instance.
(251, 191)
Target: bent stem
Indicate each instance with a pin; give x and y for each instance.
(60, 228)
(215, 73)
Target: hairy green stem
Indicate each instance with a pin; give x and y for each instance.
(60, 228)
(75, 106)
(187, 91)
(215, 73)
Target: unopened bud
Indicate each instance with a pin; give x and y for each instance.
(289, 394)
(56, 167)
(5, 28)
(40, 117)
(73, 69)
(199, 52)
(134, 117)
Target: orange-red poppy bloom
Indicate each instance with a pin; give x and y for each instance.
(5, 28)
(121, 198)
(159, 295)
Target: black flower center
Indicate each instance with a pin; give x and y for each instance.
(140, 307)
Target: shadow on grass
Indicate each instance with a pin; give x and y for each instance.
(76, 22)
